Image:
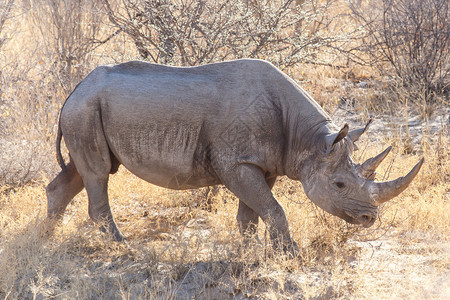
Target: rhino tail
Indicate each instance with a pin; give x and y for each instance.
(59, 156)
(59, 135)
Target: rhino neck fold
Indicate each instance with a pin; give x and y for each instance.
(305, 123)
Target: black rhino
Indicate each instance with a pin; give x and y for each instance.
(239, 123)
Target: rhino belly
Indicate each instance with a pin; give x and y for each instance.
(162, 155)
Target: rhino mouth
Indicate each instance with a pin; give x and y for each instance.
(366, 219)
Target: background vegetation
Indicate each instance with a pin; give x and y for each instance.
(382, 58)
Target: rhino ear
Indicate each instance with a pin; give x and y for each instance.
(333, 139)
(356, 133)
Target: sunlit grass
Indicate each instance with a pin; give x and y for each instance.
(167, 243)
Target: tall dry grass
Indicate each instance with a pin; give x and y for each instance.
(175, 248)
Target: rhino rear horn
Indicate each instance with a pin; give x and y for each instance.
(385, 191)
(356, 133)
(367, 169)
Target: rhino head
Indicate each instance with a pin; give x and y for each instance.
(343, 188)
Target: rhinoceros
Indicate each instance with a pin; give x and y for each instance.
(239, 123)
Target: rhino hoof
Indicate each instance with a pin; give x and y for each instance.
(116, 235)
(291, 250)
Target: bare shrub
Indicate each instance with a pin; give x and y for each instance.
(190, 32)
(5, 10)
(26, 130)
(69, 32)
(410, 36)
(58, 42)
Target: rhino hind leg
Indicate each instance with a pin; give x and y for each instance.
(99, 209)
(66, 185)
(94, 161)
(247, 182)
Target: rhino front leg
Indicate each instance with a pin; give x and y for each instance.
(61, 191)
(247, 218)
(99, 209)
(247, 182)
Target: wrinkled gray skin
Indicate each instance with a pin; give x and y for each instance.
(239, 123)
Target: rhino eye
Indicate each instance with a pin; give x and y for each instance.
(340, 185)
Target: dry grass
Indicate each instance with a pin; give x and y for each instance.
(175, 248)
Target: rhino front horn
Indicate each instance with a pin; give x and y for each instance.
(385, 191)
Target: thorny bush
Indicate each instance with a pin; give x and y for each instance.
(189, 33)
(410, 36)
